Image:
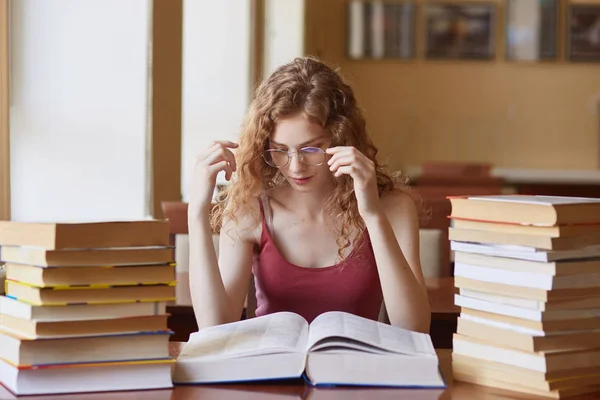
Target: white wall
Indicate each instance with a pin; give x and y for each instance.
(78, 112)
(284, 32)
(216, 71)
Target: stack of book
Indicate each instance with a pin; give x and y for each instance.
(84, 308)
(527, 269)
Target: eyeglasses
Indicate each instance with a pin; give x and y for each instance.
(311, 156)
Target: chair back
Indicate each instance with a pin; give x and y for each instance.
(176, 213)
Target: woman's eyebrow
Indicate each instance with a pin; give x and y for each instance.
(301, 144)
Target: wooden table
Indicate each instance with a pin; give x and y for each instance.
(441, 298)
(298, 390)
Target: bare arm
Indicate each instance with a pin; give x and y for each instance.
(218, 289)
(394, 232)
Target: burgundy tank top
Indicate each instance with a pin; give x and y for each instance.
(352, 285)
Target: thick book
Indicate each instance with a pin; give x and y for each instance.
(336, 349)
(531, 326)
(526, 279)
(78, 312)
(562, 393)
(507, 335)
(542, 381)
(91, 294)
(85, 235)
(532, 304)
(552, 295)
(536, 241)
(68, 329)
(497, 375)
(539, 361)
(524, 313)
(555, 268)
(22, 351)
(86, 378)
(112, 256)
(527, 209)
(84, 276)
(555, 231)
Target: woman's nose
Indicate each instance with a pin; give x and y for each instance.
(296, 163)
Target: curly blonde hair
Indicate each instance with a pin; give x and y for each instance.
(309, 86)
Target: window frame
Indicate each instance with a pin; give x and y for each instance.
(4, 113)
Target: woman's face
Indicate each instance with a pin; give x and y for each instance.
(297, 148)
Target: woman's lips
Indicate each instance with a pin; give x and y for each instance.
(301, 181)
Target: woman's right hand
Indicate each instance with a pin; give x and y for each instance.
(216, 158)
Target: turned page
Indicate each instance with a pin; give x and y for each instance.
(282, 332)
(339, 330)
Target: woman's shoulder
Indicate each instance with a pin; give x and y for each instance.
(399, 201)
(397, 195)
(245, 221)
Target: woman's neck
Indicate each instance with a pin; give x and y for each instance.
(308, 204)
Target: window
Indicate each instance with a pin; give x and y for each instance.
(78, 115)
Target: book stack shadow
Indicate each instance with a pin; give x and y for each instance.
(527, 269)
(84, 309)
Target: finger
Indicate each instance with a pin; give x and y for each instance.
(227, 143)
(345, 170)
(341, 153)
(341, 161)
(221, 166)
(220, 154)
(337, 149)
(228, 172)
(341, 156)
(214, 147)
(230, 157)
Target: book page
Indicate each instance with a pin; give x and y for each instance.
(338, 329)
(536, 199)
(282, 332)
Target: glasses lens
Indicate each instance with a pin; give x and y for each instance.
(276, 158)
(313, 156)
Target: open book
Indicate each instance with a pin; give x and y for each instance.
(337, 348)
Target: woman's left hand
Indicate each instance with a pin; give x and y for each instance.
(348, 160)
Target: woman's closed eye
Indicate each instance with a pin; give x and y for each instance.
(311, 149)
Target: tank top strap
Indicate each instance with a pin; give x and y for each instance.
(267, 214)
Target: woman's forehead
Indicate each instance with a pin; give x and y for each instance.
(297, 130)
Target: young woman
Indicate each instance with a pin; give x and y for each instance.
(308, 211)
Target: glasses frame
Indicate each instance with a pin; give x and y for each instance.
(289, 154)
